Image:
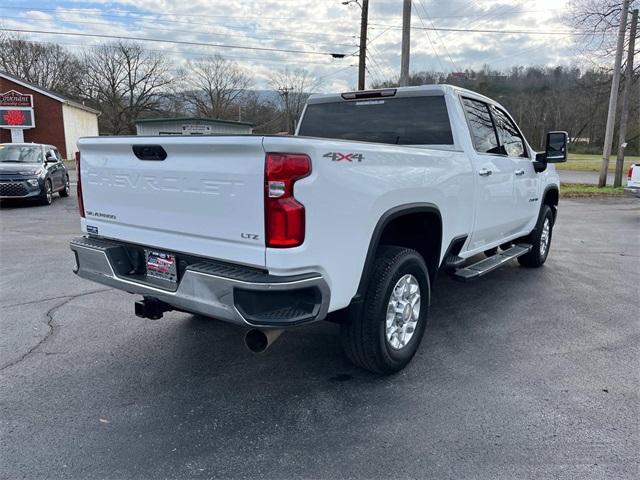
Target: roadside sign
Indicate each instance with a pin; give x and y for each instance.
(16, 110)
(195, 129)
(13, 117)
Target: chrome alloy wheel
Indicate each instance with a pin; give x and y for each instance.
(545, 237)
(48, 192)
(403, 312)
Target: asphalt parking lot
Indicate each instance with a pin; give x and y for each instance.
(522, 374)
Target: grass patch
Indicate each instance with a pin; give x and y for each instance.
(587, 162)
(581, 190)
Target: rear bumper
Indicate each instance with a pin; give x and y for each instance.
(236, 294)
(632, 190)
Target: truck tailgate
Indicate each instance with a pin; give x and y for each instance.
(205, 198)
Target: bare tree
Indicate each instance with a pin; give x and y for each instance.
(294, 87)
(262, 112)
(124, 81)
(213, 85)
(599, 19)
(46, 65)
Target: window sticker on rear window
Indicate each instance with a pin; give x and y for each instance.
(370, 102)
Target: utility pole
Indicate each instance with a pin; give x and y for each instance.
(363, 44)
(284, 91)
(624, 116)
(613, 98)
(406, 43)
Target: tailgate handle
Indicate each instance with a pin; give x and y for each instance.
(149, 152)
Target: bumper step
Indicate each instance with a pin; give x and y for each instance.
(235, 293)
(487, 265)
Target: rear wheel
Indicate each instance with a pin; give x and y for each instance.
(384, 335)
(47, 195)
(65, 191)
(540, 239)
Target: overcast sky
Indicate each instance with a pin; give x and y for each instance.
(317, 27)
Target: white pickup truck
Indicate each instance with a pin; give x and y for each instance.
(376, 193)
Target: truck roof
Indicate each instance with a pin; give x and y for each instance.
(24, 144)
(417, 91)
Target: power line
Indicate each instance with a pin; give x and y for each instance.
(472, 30)
(486, 16)
(515, 54)
(375, 69)
(432, 43)
(150, 16)
(373, 49)
(446, 50)
(375, 77)
(336, 72)
(433, 47)
(199, 54)
(176, 42)
(384, 68)
(83, 22)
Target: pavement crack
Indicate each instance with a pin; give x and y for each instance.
(49, 323)
(41, 300)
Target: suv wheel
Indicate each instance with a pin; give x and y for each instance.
(65, 191)
(384, 335)
(47, 195)
(540, 238)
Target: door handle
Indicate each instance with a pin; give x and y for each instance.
(485, 172)
(519, 172)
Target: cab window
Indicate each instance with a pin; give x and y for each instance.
(480, 124)
(511, 142)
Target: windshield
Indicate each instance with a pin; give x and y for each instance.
(20, 154)
(401, 121)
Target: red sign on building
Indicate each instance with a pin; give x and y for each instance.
(15, 99)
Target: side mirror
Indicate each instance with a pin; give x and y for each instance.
(50, 157)
(556, 148)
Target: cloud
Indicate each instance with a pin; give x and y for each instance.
(313, 26)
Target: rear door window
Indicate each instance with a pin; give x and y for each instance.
(483, 133)
(401, 121)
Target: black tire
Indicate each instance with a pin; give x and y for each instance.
(538, 254)
(65, 191)
(364, 332)
(47, 195)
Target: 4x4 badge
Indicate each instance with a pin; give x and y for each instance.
(349, 157)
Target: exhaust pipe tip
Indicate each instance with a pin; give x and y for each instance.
(258, 341)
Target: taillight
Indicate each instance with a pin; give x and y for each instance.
(283, 214)
(79, 188)
(630, 172)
